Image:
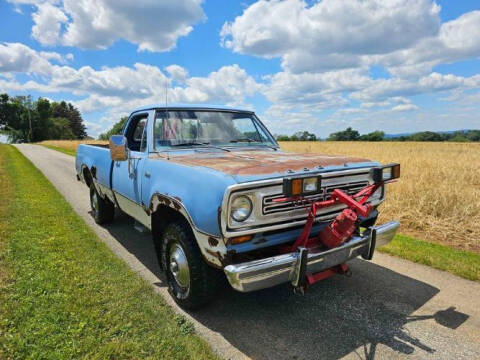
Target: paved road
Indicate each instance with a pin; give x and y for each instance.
(390, 308)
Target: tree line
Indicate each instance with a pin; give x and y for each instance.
(350, 134)
(298, 136)
(116, 129)
(25, 120)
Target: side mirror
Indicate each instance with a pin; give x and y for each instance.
(118, 148)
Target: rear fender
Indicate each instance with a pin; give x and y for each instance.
(88, 176)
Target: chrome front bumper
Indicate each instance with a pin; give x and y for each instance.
(264, 273)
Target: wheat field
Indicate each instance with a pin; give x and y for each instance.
(70, 144)
(437, 197)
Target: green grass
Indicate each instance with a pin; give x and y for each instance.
(63, 294)
(62, 150)
(461, 263)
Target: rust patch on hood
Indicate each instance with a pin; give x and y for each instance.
(262, 162)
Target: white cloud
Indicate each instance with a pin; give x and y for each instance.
(455, 41)
(54, 56)
(97, 24)
(382, 89)
(229, 85)
(112, 88)
(139, 81)
(98, 103)
(457, 34)
(348, 111)
(304, 101)
(319, 90)
(48, 21)
(406, 37)
(16, 57)
(374, 104)
(329, 33)
(93, 128)
(19, 58)
(405, 107)
(177, 73)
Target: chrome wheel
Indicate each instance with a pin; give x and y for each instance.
(178, 266)
(191, 282)
(94, 202)
(103, 210)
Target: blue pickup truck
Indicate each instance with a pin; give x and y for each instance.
(222, 200)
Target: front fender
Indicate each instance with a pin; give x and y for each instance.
(197, 194)
(198, 191)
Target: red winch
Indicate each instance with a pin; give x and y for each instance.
(340, 230)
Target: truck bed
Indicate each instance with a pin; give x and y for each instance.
(96, 157)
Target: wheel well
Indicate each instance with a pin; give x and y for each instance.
(87, 176)
(163, 216)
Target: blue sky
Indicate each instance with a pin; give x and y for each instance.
(321, 66)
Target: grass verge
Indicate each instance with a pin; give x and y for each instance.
(458, 262)
(63, 294)
(62, 150)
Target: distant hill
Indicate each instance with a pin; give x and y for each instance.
(393, 136)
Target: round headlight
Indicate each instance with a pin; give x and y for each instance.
(241, 208)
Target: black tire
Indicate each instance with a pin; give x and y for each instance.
(203, 280)
(103, 210)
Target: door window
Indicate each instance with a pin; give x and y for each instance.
(136, 135)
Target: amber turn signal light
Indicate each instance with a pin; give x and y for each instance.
(396, 171)
(296, 186)
(240, 239)
(301, 186)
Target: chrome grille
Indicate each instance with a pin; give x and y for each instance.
(270, 207)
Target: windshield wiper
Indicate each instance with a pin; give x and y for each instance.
(189, 143)
(243, 140)
(195, 143)
(255, 141)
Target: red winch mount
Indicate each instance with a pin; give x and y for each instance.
(337, 232)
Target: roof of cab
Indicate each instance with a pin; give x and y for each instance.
(189, 107)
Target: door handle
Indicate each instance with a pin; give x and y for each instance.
(147, 174)
(117, 163)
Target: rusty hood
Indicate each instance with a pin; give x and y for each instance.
(256, 165)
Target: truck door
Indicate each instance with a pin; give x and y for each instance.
(127, 175)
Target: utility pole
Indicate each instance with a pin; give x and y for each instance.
(26, 100)
(30, 123)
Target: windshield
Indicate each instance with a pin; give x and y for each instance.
(201, 127)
